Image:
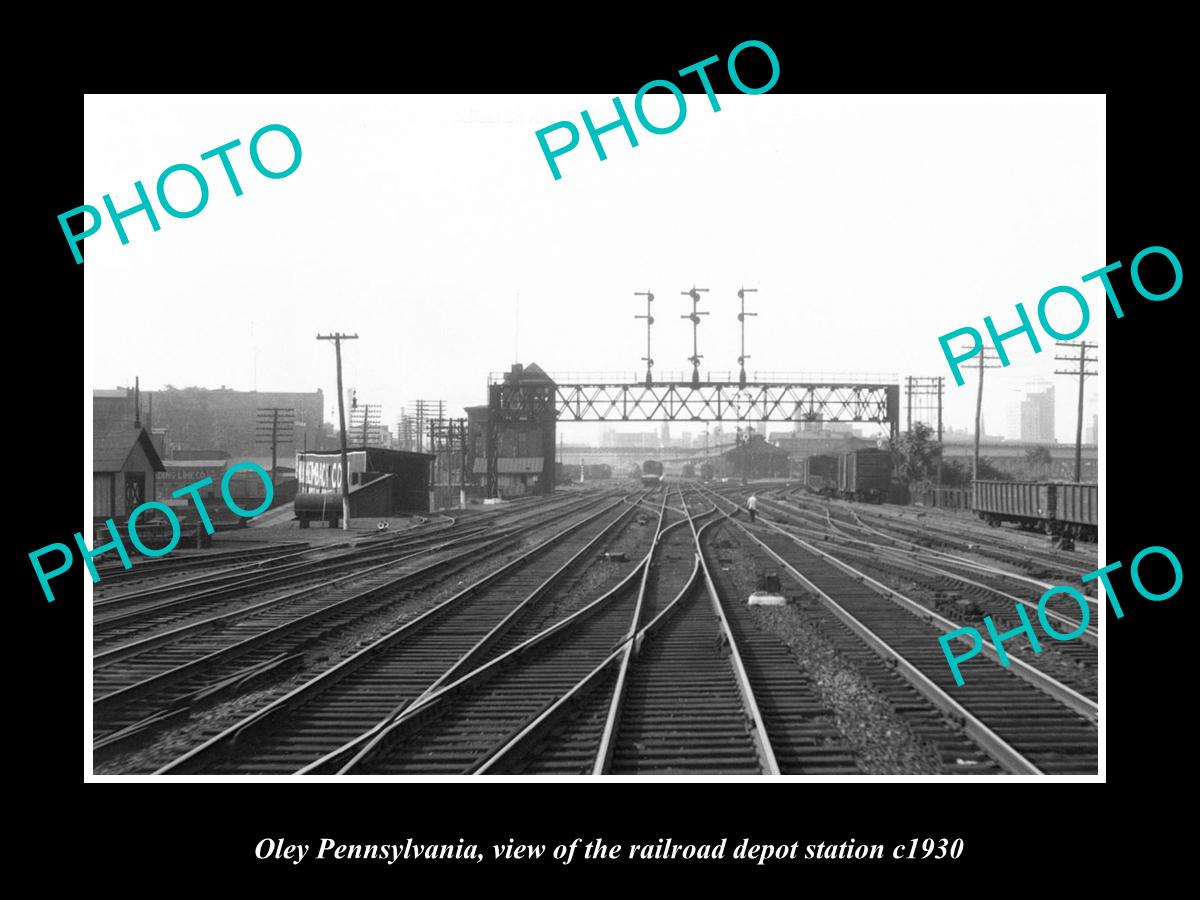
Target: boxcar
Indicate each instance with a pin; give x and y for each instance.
(865, 474)
(706, 472)
(819, 473)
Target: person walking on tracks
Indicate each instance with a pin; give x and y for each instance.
(752, 505)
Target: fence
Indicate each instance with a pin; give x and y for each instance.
(927, 494)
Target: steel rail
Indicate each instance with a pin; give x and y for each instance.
(315, 686)
(1090, 635)
(1004, 752)
(1064, 694)
(447, 686)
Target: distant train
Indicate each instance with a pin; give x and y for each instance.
(706, 472)
(689, 471)
(1054, 507)
(819, 474)
(864, 474)
(652, 472)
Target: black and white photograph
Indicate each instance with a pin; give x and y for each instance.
(531, 437)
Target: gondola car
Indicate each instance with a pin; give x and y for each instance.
(1060, 508)
(864, 474)
(652, 472)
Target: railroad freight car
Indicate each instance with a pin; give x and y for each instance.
(819, 473)
(1061, 508)
(864, 474)
(652, 472)
(597, 472)
(689, 470)
(1077, 510)
(706, 472)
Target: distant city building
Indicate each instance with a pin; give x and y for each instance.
(1037, 416)
(206, 419)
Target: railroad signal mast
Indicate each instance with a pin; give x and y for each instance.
(649, 321)
(742, 292)
(695, 315)
(1082, 374)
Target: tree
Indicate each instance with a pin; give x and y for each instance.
(1038, 460)
(915, 454)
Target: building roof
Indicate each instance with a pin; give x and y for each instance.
(111, 449)
(360, 449)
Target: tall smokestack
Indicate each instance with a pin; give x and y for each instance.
(137, 404)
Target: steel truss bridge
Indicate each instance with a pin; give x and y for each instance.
(727, 402)
(535, 398)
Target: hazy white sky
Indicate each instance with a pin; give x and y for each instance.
(870, 227)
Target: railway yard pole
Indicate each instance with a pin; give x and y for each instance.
(337, 339)
(983, 359)
(1082, 374)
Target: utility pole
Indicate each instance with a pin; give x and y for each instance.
(337, 338)
(927, 388)
(983, 364)
(908, 384)
(742, 292)
(695, 358)
(649, 321)
(269, 422)
(1082, 374)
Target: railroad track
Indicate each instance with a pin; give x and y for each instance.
(143, 568)
(153, 681)
(695, 691)
(1027, 721)
(367, 690)
(118, 620)
(946, 561)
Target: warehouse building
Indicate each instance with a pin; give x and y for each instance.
(754, 458)
(382, 483)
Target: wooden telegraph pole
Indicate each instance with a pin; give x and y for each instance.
(983, 360)
(1082, 374)
(337, 339)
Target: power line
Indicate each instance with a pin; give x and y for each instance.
(1082, 374)
(274, 425)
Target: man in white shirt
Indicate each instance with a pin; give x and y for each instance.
(752, 505)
